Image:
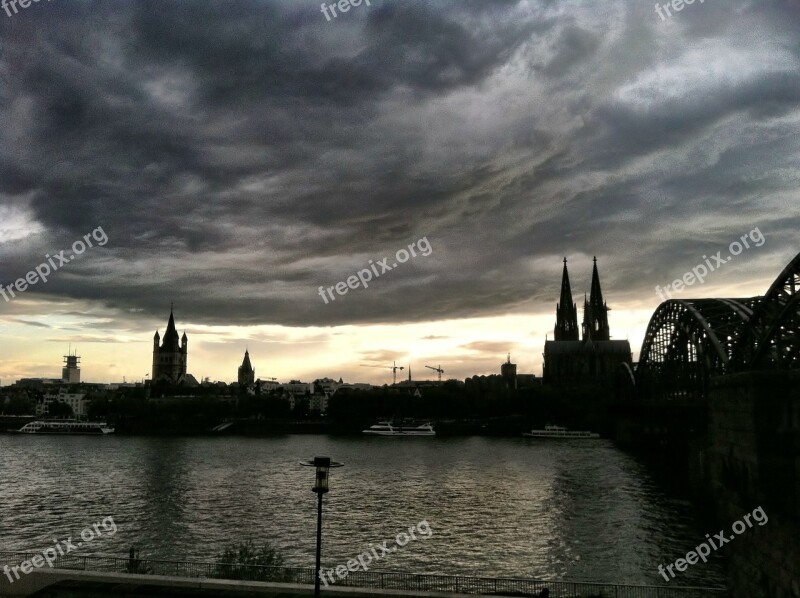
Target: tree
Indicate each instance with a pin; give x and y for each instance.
(60, 409)
(98, 408)
(19, 405)
(245, 561)
(301, 407)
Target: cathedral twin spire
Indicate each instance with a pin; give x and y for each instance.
(595, 311)
(566, 311)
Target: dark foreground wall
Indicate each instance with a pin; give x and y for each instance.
(751, 460)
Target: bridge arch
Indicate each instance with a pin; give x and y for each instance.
(688, 341)
(772, 338)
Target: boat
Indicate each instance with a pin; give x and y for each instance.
(66, 426)
(559, 432)
(405, 428)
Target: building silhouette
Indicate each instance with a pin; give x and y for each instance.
(247, 375)
(71, 373)
(508, 371)
(170, 358)
(594, 358)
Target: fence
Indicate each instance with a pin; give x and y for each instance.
(390, 580)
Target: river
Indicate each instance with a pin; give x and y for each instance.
(574, 510)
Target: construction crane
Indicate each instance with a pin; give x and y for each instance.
(437, 369)
(394, 367)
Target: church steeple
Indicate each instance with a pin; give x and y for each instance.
(595, 312)
(566, 311)
(169, 359)
(171, 334)
(246, 365)
(247, 375)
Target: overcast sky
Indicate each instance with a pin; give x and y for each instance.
(239, 155)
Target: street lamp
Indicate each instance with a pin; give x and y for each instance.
(323, 464)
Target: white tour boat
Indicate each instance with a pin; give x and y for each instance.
(66, 426)
(388, 428)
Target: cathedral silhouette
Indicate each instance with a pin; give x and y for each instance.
(596, 357)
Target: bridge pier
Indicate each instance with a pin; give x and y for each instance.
(752, 459)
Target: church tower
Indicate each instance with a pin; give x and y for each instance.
(247, 375)
(171, 356)
(566, 311)
(596, 359)
(595, 312)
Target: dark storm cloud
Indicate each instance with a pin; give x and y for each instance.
(29, 323)
(241, 154)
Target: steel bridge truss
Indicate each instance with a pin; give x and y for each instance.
(772, 339)
(689, 341)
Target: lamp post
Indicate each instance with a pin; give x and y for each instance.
(323, 465)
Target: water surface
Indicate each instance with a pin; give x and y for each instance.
(577, 510)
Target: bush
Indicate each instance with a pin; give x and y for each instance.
(245, 561)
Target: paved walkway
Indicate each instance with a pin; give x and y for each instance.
(66, 583)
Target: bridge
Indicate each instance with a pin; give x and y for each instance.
(689, 341)
(716, 396)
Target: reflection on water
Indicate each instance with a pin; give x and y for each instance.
(497, 507)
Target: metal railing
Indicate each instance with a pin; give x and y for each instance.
(390, 580)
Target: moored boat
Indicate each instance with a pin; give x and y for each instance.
(406, 428)
(560, 432)
(68, 426)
